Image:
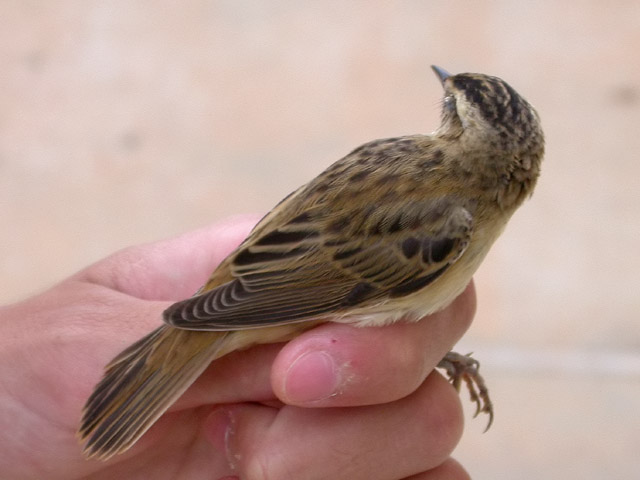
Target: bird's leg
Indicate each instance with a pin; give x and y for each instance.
(465, 368)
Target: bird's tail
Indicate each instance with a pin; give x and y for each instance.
(140, 384)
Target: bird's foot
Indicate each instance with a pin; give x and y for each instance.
(465, 368)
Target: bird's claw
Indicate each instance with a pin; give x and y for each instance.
(465, 368)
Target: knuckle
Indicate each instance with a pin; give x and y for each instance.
(257, 467)
(442, 414)
(451, 420)
(407, 368)
(268, 465)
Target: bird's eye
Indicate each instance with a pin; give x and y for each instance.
(449, 103)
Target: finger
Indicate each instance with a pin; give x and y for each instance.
(449, 470)
(237, 377)
(391, 441)
(171, 269)
(341, 365)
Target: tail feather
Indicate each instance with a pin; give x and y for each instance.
(140, 384)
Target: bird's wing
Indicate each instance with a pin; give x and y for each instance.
(316, 264)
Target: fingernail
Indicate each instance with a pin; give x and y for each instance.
(219, 428)
(311, 377)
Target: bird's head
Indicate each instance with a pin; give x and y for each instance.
(485, 112)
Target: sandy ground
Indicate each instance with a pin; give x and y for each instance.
(125, 122)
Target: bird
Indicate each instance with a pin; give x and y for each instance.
(391, 232)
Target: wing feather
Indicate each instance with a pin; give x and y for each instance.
(306, 269)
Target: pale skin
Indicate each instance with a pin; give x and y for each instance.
(256, 415)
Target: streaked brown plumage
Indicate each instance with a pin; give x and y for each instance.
(394, 230)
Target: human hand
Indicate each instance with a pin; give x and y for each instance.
(394, 418)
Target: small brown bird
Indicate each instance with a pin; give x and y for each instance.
(393, 231)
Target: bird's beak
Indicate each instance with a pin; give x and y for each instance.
(441, 73)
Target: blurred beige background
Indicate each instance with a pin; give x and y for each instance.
(124, 122)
